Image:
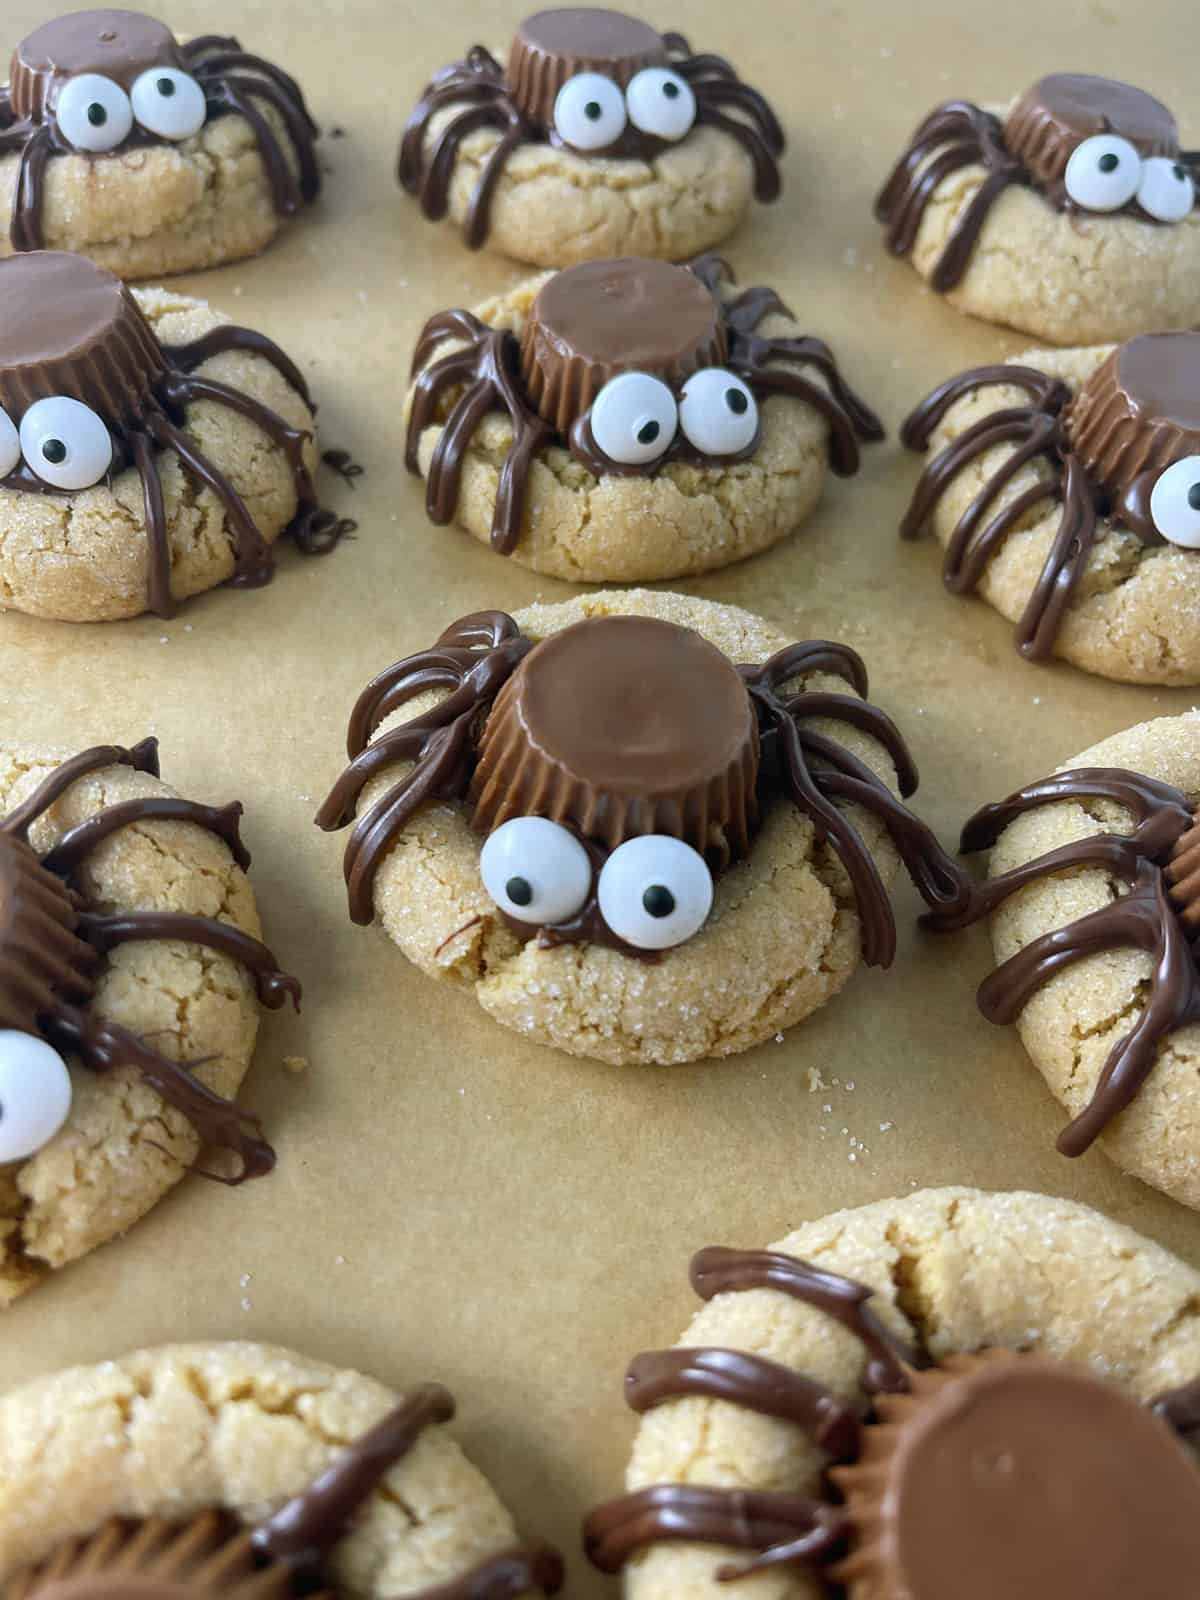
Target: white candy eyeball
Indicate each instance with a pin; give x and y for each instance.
(589, 113)
(634, 419)
(35, 1094)
(93, 113)
(536, 871)
(717, 412)
(1103, 173)
(662, 103)
(1175, 503)
(65, 443)
(10, 444)
(169, 103)
(1166, 190)
(655, 892)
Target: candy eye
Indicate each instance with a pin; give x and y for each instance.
(65, 443)
(10, 444)
(536, 871)
(589, 112)
(1175, 503)
(1103, 173)
(655, 892)
(169, 103)
(1166, 190)
(35, 1094)
(661, 103)
(93, 113)
(634, 419)
(718, 413)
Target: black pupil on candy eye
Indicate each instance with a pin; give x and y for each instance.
(648, 432)
(593, 111)
(737, 402)
(55, 451)
(96, 114)
(165, 87)
(1194, 497)
(1179, 172)
(1109, 163)
(658, 900)
(671, 90)
(519, 891)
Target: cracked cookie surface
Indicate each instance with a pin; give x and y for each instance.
(951, 1270)
(242, 1427)
(1066, 277)
(84, 557)
(1135, 614)
(682, 519)
(159, 209)
(552, 208)
(1072, 1023)
(122, 1147)
(783, 937)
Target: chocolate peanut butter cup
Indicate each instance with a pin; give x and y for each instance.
(120, 45)
(68, 327)
(623, 726)
(1140, 411)
(592, 322)
(1053, 118)
(1183, 875)
(1009, 1475)
(41, 957)
(553, 46)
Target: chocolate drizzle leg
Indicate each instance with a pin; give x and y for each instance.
(518, 105)
(51, 943)
(67, 327)
(587, 325)
(1156, 914)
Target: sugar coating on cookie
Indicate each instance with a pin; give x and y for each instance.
(131, 974)
(133, 471)
(898, 1348)
(602, 137)
(1071, 217)
(149, 155)
(1093, 898)
(627, 420)
(1065, 488)
(231, 1468)
(639, 827)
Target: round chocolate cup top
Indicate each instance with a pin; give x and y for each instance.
(591, 322)
(552, 46)
(68, 327)
(1015, 1475)
(116, 44)
(1062, 110)
(1138, 413)
(622, 726)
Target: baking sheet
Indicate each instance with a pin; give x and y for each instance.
(451, 1202)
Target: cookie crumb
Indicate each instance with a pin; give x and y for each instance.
(815, 1081)
(295, 1064)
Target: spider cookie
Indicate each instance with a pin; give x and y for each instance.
(149, 449)
(628, 420)
(948, 1394)
(131, 975)
(1072, 217)
(149, 155)
(602, 138)
(1094, 896)
(627, 846)
(250, 1473)
(1065, 488)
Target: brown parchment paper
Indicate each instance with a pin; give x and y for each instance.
(449, 1201)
